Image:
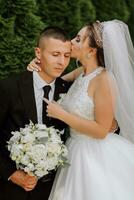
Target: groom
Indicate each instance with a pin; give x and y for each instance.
(20, 101)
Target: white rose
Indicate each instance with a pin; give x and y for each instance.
(42, 165)
(40, 134)
(52, 163)
(16, 136)
(38, 152)
(16, 149)
(25, 160)
(53, 148)
(28, 138)
(25, 130)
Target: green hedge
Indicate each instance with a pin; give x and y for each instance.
(22, 20)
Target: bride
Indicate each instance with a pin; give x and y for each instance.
(101, 162)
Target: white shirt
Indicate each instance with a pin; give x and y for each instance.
(39, 83)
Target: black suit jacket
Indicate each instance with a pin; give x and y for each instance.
(17, 107)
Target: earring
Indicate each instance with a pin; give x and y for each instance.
(89, 55)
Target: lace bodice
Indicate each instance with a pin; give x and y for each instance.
(77, 101)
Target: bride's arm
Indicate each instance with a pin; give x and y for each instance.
(97, 128)
(34, 65)
(70, 77)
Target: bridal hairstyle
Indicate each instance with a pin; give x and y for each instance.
(94, 34)
(94, 31)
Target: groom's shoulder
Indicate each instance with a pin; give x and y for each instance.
(13, 80)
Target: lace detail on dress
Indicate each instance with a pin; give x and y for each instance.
(77, 101)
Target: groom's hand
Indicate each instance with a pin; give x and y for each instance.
(24, 180)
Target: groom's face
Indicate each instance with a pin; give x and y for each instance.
(54, 56)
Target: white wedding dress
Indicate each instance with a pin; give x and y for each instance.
(100, 169)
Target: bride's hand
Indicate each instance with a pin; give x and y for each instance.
(114, 126)
(34, 65)
(54, 109)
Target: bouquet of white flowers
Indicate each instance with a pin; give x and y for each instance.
(37, 149)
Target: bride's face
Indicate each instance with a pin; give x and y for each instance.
(80, 44)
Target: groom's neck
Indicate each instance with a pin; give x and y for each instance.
(47, 78)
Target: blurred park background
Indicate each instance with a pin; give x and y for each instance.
(22, 20)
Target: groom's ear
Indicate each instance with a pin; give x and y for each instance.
(38, 52)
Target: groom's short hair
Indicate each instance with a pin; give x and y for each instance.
(53, 32)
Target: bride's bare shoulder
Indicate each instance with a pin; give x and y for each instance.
(103, 77)
(103, 81)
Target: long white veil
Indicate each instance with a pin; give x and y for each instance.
(119, 62)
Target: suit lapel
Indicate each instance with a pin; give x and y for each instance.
(28, 98)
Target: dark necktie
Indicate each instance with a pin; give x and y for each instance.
(45, 118)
